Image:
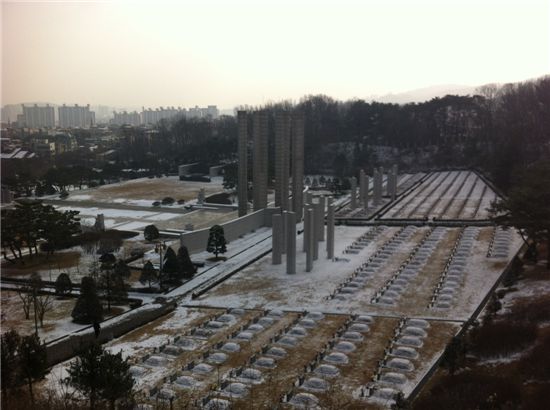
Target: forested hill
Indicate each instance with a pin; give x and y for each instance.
(502, 128)
(501, 131)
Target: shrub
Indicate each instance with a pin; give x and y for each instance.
(531, 310)
(471, 390)
(221, 198)
(537, 398)
(181, 201)
(63, 285)
(151, 233)
(495, 339)
(536, 365)
(156, 203)
(168, 201)
(88, 307)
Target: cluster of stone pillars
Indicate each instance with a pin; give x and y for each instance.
(377, 187)
(289, 144)
(284, 233)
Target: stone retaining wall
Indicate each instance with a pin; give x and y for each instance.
(196, 241)
(63, 349)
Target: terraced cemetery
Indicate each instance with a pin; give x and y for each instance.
(354, 332)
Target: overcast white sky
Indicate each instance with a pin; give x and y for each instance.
(228, 53)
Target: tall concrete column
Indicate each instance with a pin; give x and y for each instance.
(366, 206)
(276, 239)
(306, 237)
(291, 243)
(395, 172)
(285, 226)
(393, 190)
(309, 232)
(282, 159)
(298, 164)
(309, 197)
(315, 235)
(321, 219)
(353, 203)
(260, 160)
(286, 168)
(330, 232)
(242, 188)
(362, 188)
(377, 187)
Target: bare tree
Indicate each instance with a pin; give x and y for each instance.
(25, 295)
(44, 303)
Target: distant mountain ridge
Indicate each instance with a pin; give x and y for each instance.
(425, 94)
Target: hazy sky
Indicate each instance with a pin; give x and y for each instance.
(235, 52)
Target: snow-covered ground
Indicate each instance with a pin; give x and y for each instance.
(336, 288)
(264, 285)
(449, 195)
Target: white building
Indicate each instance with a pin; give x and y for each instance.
(35, 116)
(126, 118)
(76, 116)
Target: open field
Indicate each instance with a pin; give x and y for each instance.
(144, 191)
(132, 220)
(128, 205)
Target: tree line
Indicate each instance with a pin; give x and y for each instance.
(98, 375)
(501, 129)
(30, 222)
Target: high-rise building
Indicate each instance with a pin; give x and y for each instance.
(126, 118)
(149, 116)
(76, 116)
(35, 116)
(212, 112)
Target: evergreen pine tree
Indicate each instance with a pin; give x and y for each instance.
(10, 364)
(216, 241)
(32, 360)
(112, 277)
(117, 380)
(88, 307)
(151, 233)
(149, 274)
(85, 373)
(63, 285)
(122, 269)
(186, 267)
(170, 265)
(98, 374)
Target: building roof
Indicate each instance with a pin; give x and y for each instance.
(17, 153)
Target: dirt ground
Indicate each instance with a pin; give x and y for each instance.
(152, 189)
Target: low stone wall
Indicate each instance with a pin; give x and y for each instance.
(196, 241)
(63, 349)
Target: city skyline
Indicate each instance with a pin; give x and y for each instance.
(125, 54)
